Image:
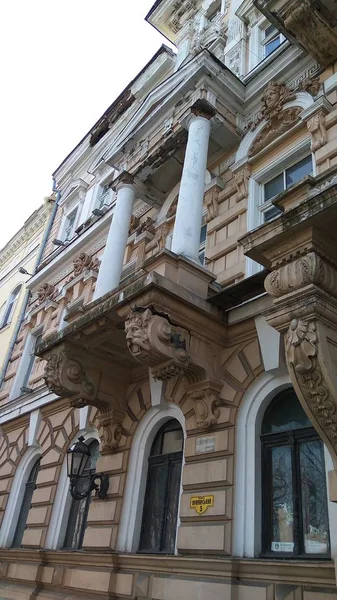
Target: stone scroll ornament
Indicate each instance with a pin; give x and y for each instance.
(206, 409)
(67, 377)
(152, 340)
(311, 380)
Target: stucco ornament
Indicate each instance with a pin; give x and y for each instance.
(67, 377)
(278, 118)
(111, 432)
(316, 126)
(153, 340)
(301, 342)
(84, 262)
(241, 178)
(206, 409)
(45, 292)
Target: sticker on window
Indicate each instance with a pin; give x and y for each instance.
(282, 546)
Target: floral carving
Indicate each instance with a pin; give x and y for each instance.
(312, 85)
(302, 353)
(316, 126)
(277, 126)
(46, 292)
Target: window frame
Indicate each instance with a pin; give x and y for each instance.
(291, 439)
(267, 205)
(25, 506)
(64, 236)
(10, 306)
(267, 39)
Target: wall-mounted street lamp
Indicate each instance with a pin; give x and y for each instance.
(24, 272)
(81, 484)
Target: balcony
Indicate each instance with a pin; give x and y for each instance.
(311, 24)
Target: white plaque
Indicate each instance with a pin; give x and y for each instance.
(205, 444)
(282, 546)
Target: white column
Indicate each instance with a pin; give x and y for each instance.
(186, 232)
(112, 261)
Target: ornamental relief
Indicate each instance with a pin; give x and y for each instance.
(310, 269)
(67, 377)
(311, 381)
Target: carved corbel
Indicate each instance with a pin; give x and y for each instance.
(241, 181)
(66, 376)
(309, 372)
(206, 401)
(46, 292)
(154, 341)
(317, 129)
(109, 423)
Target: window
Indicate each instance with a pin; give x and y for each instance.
(10, 306)
(25, 381)
(281, 182)
(69, 225)
(294, 496)
(25, 506)
(202, 244)
(159, 523)
(77, 520)
(104, 196)
(272, 39)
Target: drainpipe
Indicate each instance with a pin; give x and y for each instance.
(27, 293)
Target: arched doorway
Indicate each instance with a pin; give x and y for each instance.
(160, 512)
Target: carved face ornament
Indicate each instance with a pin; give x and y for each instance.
(136, 329)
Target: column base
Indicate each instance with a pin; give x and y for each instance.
(181, 270)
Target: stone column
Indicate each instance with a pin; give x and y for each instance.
(112, 261)
(186, 233)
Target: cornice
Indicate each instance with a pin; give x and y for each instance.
(23, 235)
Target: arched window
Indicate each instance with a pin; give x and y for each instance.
(77, 520)
(294, 498)
(159, 523)
(11, 306)
(25, 506)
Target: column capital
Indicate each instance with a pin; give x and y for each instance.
(202, 109)
(124, 178)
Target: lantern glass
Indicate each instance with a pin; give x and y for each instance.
(77, 458)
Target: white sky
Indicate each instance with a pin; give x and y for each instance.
(63, 63)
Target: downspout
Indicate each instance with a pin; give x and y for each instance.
(27, 293)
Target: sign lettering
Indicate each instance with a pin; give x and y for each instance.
(201, 503)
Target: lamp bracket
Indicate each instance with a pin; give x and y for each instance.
(100, 488)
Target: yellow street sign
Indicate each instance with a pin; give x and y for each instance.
(201, 503)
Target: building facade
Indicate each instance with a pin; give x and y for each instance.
(21, 252)
(183, 320)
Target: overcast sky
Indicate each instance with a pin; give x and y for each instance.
(63, 63)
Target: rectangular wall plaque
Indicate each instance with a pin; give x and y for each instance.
(205, 444)
(201, 503)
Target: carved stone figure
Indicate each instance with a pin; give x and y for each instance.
(274, 98)
(45, 292)
(241, 181)
(161, 239)
(147, 225)
(277, 126)
(134, 224)
(81, 262)
(152, 340)
(316, 126)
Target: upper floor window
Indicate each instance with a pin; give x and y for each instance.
(281, 182)
(104, 196)
(272, 39)
(25, 506)
(69, 225)
(77, 520)
(294, 494)
(159, 523)
(35, 340)
(10, 306)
